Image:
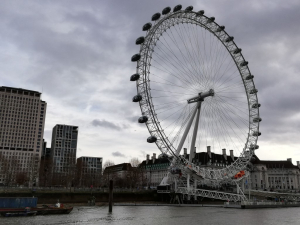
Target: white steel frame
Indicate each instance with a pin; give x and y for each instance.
(153, 124)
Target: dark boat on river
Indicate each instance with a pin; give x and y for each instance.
(50, 209)
(20, 206)
(26, 212)
(43, 210)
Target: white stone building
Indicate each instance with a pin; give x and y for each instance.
(275, 175)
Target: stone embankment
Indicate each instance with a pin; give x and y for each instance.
(79, 196)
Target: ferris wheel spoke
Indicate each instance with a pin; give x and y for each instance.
(192, 53)
(183, 125)
(226, 105)
(182, 93)
(232, 86)
(173, 125)
(229, 118)
(221, 62)
(191, 73)
(197, 58)
(169, 115)
(207, 124)
(236, 107)
(168, 103)
(214, 61)
(176, 67)
(167, 96)
(204, 41)
(220, 130)
(165, 107)
(188, 58)
(169, 83)
(225, 122)
(173, 67)
(212, 131)
(217, 116)
(200, 57)
(231, 98)
(168, 109)
(181, 63)
(211, 62)
(230, 78)
(224, 110)
(226, 71)
(175, 56)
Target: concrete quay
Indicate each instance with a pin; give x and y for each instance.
(262, 204)
(162, 204)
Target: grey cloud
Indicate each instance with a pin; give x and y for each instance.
(133, 119)
(79, 54)
(106, 124)
(118, 154)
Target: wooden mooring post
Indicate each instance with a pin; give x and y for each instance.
(110, 199)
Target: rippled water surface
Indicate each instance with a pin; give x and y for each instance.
(164, 215)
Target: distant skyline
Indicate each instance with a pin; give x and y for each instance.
(77, 53)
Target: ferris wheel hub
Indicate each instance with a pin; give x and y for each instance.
(201, 96)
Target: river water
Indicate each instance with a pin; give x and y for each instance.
(163, 215)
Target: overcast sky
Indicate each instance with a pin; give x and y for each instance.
(77, 53)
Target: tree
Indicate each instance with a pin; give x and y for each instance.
(136, 176)
(46, 171)
(2, 164)
(9, 168)
(21, 178)
(135, 162)
(33, 164)
(108, 163)
(70, 169)
(106, 174)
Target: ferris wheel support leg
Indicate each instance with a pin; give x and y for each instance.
(243, 185)
(188, 182)
(192, 149)
(187, 129)
(239, 190)
(195, 187)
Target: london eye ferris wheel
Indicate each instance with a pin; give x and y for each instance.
(195, 89)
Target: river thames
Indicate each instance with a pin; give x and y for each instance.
(163, 215)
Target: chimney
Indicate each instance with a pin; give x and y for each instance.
(185, 152)
(298, 164)
(231, 154)
(208, 151)
(147, 158)
(153, 157)
(289, 160)
(224, 153)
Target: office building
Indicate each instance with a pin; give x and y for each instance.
(63, 153)
(22, 120)
(89, 171)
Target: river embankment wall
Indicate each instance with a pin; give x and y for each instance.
(84, 197)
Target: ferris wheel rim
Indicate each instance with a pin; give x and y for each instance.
(143, 87)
